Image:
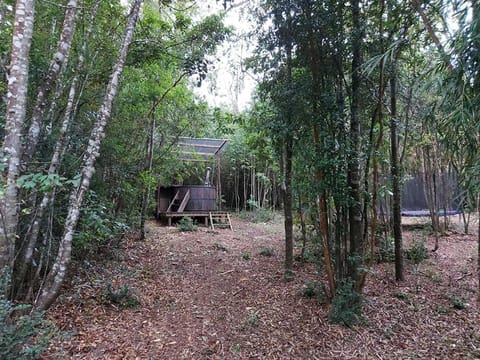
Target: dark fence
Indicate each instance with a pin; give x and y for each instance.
(447, 189)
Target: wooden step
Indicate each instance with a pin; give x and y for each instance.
(220, 220)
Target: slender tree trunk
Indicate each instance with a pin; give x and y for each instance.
(57, 274)
(15, 118)
(353, 178)
(378, 116)
(478, 247)
(288, 151)
(321, 197)
(288, 209)
(148, 169)
(395, 172)
(56, 160)
(323, 224)
(59, 60)
(303, 225)
(431, 33)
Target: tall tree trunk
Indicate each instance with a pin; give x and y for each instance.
(15, 118)
(353, 178)
(148, 169)
(431, 32)
(56, 276)
(288, 152)
(321, 197)
(288, 208)
(32, 238)
(478, 247)
(395, 172)
(377, 117)
(59, 60)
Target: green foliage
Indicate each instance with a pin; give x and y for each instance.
(346, 305)
(458, 303)
(219, 247)
(417, 252)
(99, 230)
(186, 224)
(289, 275)
(251, 319)
(404, 296)
(386, 250)
(44, 182)
(122, 297)
(314, 289)
(258, 215)
(266, 251)
(246, 256)
(22, 337)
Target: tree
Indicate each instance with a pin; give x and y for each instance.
(355, 208)
(15, 118)
(56, 276)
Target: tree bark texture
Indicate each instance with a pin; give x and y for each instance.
(57, 274)
(15, 118)
(57, 156)
(288, 208)
(59, 60)
(395, 172)
(353, 178)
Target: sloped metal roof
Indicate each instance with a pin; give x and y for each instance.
(200, 149)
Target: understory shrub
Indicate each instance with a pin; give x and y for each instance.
(386, 250)
(346, 305)
(186, 224)
(257, 214)
(22, 337)
(417, 252)
(99, 231)
(314, 289)
(266, 251)
(122, 297)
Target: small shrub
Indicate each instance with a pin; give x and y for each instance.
(246, 256)
(21, 337)
(123, 297)
(266, 251)
(406, 297)
(457, 302)
(99, 232)
(219, 247)
(186, 224)
(314, 289)
(251, 319)
(289, 275)
(346, 305)
(386, 250)
(235, 349)
(257, 215)
(417, 253)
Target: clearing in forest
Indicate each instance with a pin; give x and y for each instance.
(221, 295)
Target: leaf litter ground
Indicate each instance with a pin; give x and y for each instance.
(213, 295)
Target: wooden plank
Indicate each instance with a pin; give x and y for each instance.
(211, 221)
(184, 201)
(177, 194)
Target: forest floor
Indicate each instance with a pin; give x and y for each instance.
(216, 294)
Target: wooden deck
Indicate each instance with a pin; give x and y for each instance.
(215, 218)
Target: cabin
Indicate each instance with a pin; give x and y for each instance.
(197, 201)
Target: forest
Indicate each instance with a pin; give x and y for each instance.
(363, 114)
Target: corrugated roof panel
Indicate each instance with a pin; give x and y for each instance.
(197, 148)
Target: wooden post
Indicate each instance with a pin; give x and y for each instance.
(219, 183)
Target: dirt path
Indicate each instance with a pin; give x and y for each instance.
(216, 295)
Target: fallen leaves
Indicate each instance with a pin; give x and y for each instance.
(200, 300)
